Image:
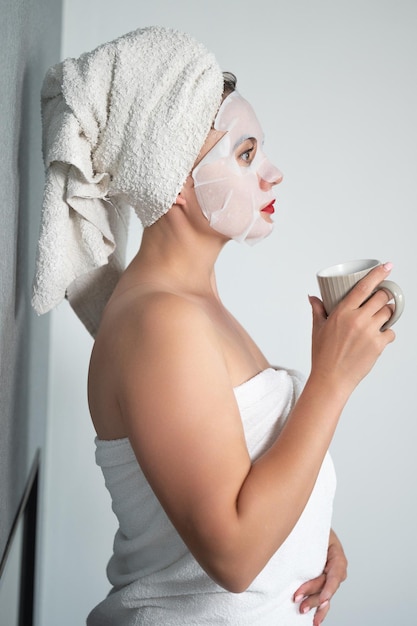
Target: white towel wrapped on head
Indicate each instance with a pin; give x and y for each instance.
(122, 127)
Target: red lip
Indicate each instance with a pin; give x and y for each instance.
(269, 208)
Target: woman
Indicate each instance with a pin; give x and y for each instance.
(216, 461)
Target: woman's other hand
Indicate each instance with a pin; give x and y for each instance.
(318, 592)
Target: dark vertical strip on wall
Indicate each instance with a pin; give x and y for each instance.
(30, 32)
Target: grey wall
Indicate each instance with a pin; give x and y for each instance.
(334, 84)
(30, 33)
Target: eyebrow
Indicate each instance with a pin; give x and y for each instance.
(242, 139)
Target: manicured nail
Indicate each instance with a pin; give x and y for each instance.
(388, 266)
(305, 609)
(298, 598)
(323, 604)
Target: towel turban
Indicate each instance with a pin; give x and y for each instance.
(122, 127)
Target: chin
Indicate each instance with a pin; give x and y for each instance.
(259, 231)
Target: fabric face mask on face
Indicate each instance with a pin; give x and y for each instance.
(228, 192)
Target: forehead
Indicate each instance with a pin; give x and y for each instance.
(238, 119)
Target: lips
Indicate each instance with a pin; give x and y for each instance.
(269, 208)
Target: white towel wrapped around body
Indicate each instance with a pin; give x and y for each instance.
(122, 127)
(156, 580)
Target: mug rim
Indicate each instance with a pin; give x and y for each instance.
(348, 267)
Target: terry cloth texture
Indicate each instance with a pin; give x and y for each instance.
(156, 580)
(122, 127)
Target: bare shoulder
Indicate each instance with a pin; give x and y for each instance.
(162, 323)
(158, 338)
(159, 335)
(168, 311)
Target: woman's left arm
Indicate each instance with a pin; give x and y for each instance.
(318, 592)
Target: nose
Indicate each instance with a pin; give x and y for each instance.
(268, 175)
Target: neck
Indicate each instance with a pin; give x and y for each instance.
(178, 257)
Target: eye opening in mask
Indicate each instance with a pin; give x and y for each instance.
(245, 151)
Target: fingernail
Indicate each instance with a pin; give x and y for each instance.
(388, 266)
(298, 598)
(305, 609)
(323, 604)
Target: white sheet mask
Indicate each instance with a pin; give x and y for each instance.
(228, 192)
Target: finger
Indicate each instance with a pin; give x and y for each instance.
(364, 288)
(319, 312)
(376, 302)
(309, 594)
(313, 602)
(378, 308)
(318, 592)
(383, 315)
(330, 587)
(310, 588)
(321, 613)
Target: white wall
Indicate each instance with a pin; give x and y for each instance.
(335, 87)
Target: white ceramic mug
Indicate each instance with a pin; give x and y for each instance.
(335, 283)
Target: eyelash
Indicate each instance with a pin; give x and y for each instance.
(248, 152)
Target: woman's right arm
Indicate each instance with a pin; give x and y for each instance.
(180, 412)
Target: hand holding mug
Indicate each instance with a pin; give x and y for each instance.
(336, 282)
(347, 341)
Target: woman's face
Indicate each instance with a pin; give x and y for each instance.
(234, 180)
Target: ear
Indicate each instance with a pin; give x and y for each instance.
(183, 197)
(180, 200)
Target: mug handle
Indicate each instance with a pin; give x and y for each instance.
(396, 293)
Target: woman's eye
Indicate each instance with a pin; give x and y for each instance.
(248, 152)
(246, 156)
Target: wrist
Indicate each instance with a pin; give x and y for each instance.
(330, 390)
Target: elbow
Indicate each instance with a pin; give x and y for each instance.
(226, 555)
(236, 585)
(232, 574)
